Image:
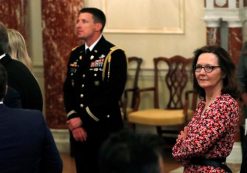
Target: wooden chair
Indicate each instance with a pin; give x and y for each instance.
(190, 103)
(170, 119)
(131, 97)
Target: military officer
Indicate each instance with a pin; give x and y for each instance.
(95, 81)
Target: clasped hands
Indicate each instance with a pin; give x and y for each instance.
(183, 134)
(78, 132)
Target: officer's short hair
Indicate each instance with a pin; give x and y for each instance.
(98, 15)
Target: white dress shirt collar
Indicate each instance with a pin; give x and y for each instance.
(93, 45)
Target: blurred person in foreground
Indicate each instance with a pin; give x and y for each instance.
(129, 152)
(208, 138)
(244, 158)
(26, 143)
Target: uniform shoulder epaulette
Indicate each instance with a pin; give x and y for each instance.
(74, 48)
(113, 48)
(108, 60)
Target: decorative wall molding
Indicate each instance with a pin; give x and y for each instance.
(234, 13)
(222, 14)
(149, 12)
(221, 3)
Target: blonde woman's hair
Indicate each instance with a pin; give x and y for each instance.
(17, 48)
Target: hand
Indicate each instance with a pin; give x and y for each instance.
(183, 133)
(74, 123)
(79, 134)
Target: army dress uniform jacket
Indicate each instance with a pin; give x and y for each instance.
(94, 86)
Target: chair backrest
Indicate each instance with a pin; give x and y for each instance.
(137, 61)
(190, 104)
(131, 97)
(176, 79)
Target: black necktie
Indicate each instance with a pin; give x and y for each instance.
(87, 52)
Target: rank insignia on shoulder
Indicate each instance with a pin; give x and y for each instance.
(74, 48)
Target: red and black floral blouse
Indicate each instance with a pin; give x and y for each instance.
(211, 134)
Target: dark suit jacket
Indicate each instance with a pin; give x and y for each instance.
(244, 158)
(21, 79)
(93, 87)
(26, 144)
(12, 98)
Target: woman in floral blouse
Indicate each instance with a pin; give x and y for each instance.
(208, 138)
